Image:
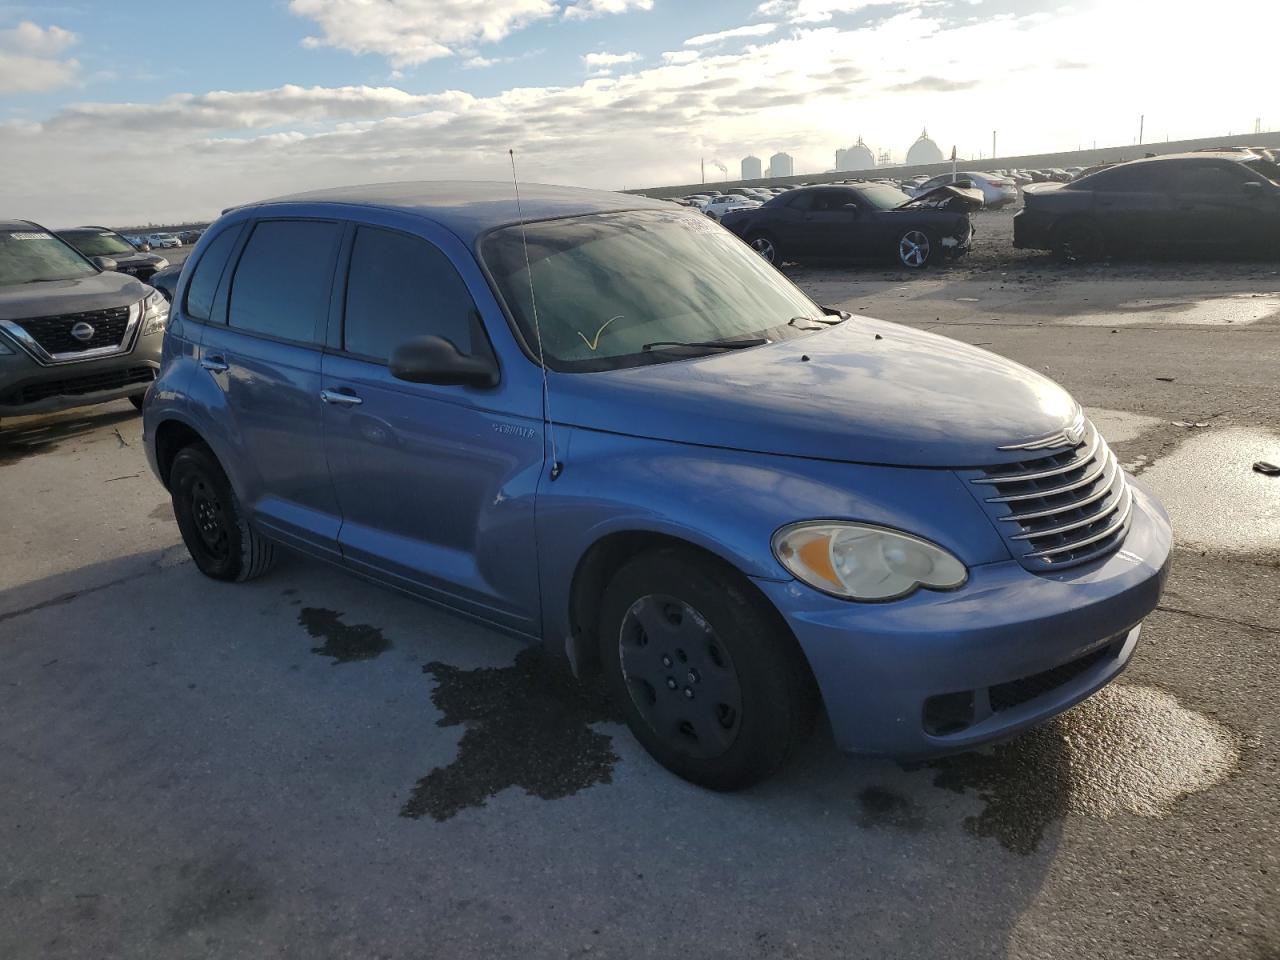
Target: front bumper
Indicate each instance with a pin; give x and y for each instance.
(27, 387)
(1006, 651)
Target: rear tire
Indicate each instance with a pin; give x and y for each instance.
(706, 673)
(1080, 241)
(213, 524)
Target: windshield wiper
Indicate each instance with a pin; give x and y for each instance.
(707, 344)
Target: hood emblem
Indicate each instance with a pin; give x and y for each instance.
(1071, 435)
(82, 332)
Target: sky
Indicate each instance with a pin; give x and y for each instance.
(125, 114)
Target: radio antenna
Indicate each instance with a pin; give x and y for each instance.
(556, 466)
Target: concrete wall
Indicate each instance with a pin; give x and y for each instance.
(1079, 158)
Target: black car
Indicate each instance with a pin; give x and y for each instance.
(1179, 202)
(166, 280)
(101, 242)
(864, 221)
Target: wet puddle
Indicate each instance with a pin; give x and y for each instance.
(1127, 749)
(1238, 309)
(527, 726)
(1213, 495)
(344, 642)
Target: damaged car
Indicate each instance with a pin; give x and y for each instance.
(860, 221)
(747, 511)
(1179, 203)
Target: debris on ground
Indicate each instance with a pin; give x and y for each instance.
(1165, 379)
(1189, 423)
(1266, 469)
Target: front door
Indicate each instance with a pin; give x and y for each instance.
(436, 483)
(266, 360)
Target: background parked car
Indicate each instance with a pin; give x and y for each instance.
(163, 240)
(717, 207)
(997, 192)
(101, 242)
(1190, 201)
(138, 242)
(859, 221)
(73, 332)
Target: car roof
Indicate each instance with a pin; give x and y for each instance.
(1233, 155)
(19, 225)
(471, 208)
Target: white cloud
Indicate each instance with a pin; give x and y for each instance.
(409, 32)
(805, 93)
(588, 9)
(29, 59)
(680, 56)
(752, 30)
(604, 61)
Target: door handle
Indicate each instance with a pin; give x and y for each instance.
(341, 398)
(214, 363)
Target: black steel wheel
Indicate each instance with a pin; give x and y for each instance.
(707, 674)
(211, 521)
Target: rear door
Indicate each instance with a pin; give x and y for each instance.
(265, 359)
(435, 483)
(1133, 206)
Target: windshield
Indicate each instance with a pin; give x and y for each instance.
(98, 243)
(607, 285)
(32, 255)
(883, 197)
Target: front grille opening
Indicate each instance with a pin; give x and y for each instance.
(54, 333)
(1007, 696)
(77, 386)
(1062, 509)
(948, 713)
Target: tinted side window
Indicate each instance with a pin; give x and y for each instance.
(832, 199)
(1206, 179)
(204, 282)
(1142, 178)
(282, 284)
(401, 287)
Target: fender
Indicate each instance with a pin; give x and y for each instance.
(730, 504)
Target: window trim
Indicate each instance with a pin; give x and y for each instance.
(320, 331)
(232, 256)
(335, 340)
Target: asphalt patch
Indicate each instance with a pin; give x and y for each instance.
(344, 642)
(528, 726)
(879, 807)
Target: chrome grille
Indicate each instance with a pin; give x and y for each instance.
(1060, 509)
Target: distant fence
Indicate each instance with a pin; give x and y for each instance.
(1078, 158)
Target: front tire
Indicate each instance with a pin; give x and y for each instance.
(768, 249)
(1080, 241)
(709, 679)
(916, 249)
(212, 522)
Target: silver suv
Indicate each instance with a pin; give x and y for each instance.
(72, 330)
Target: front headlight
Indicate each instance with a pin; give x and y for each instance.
(859, 561)
(155, 313)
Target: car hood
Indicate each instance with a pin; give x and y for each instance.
(968, 196)
(1040, 189)
(96, 292)
(867, 391)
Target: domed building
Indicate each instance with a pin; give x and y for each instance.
(924, 150)
(857, 157)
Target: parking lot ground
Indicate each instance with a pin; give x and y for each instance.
(309, 766)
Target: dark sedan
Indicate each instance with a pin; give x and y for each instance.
(864, 221)
(1181, 202)
(101, 242)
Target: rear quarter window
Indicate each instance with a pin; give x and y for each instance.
(209, 271)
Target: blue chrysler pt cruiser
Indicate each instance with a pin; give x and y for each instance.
(604, 424)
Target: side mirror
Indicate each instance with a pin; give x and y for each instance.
(436, 360)
(105, 263)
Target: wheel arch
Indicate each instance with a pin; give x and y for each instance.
(172, 436)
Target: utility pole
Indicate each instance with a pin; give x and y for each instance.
(993, 144)
(1142, 125)
(703, 162)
